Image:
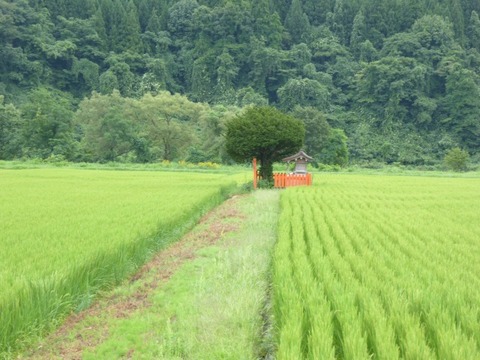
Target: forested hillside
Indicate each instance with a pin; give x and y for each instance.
(143, 80)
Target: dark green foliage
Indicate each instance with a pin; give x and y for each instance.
(108, 127)
(456, 159)
(359, 33)
(152, 128)
(462, 106)
(335, 151)
(303, 92)
(227, 72)
(248, 96)
(196, 156)
(264, 133)
(47, 127)
(340, 21)
(108, 82)
(391, 87)
(297, 23)
(10, 137)
(396, 75)
(266, 22)
(317, 129)
(181, 18)
(473, 31)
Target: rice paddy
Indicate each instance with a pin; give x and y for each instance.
(379, 267)
(67, 233)
(364, 267)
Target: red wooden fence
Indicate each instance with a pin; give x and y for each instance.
(283, 180)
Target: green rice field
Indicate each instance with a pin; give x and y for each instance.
(66, 233)
(378, 267)
(364, 267)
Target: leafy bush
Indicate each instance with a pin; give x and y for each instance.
(265, 184)
(327, 167)
(246, 187)
(208, 165)
(456, 159)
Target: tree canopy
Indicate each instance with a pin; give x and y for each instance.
(264, 133)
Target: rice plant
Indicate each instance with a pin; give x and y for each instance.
(67, 233)
(379, 267)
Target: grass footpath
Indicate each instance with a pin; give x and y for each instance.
(202, 298)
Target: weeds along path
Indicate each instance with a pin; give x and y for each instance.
(201, 298)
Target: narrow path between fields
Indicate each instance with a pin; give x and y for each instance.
(204, 297)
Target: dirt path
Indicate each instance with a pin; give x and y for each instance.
(86, 330)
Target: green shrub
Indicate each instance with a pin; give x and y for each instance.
(456, 159)
(265, 184)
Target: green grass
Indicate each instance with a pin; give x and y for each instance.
(365, 266)
(67, 233)
(180, 166)
(381, 267)
(211, 308)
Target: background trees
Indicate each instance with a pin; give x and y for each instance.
(387, 73)
(168, 124)
(10, 137)
(46, 124)
(108, 126)
(317, 129)
(152, 128)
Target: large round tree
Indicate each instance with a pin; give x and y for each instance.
(264, 133)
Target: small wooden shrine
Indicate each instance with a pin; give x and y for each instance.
(301, 160)
(300, 176)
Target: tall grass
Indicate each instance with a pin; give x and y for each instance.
(211, 307)
(68, 233)
(387, 265)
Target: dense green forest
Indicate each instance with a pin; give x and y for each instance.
(145, 80)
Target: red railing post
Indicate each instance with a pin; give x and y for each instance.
(254, 163)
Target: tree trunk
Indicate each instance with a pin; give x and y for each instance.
(266, 169)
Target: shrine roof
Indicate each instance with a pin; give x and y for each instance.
(300, 155)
